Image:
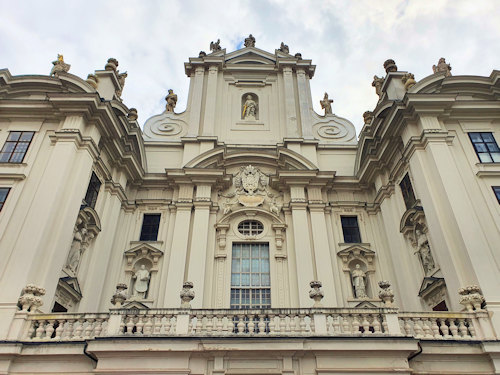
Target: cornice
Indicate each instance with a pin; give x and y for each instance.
(74, 135)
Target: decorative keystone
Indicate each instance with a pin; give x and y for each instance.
(408, 80)
(386, 294)
(30, 298)
(187, 295)
(316, 293)
(390, 66)
(112, 64)
(471, 297)
(120, 296)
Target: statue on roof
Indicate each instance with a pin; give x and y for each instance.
(377, 83)
(250, 41)
(284, 48)
(215, 46)
(121, 81)
(171, 99)
(442, 66)
(326, 104)
(59, 66)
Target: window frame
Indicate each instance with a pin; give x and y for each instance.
(484, 147)
(350, 227)
(91, 189)
(147, 236)
(407, 191)
(17, 143)
(2, 203)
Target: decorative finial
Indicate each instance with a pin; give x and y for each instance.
(112, 64)
(377, 83)
(171, 99)
(59, 66)
(298, 56)
(471, 297)
(408, 80)
(284, 48)
(250, 41)
(187, 295)
(92, 80)
(120, 296)
(132, 114)
(367, 117)
(442, 66)
(326, 104)
(202, 54)
(386, 294)
(390, 66)
(316, 293)
(215, 46)
(31, 297)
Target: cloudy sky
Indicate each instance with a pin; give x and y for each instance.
(347, 40)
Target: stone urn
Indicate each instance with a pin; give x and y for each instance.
(187, 295)
(120, 295)
(386, 294)
(316, 293)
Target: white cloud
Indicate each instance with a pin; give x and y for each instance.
(347, 40)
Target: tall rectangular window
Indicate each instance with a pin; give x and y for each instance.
(92, 191)
(15, 147)
(3, 196)
(407, 190)
(150, 225)
(496, 190)
(250, 277)
(350, 229)
(486, 147)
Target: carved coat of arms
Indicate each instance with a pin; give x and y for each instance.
(251, 181)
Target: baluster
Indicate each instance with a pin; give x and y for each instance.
(407, 327)
(148, 325)
(454, 329)
(355, 324)
(346, 327)
(31, 330)
(219, 324)
(444, 328)
(168, 323)
(471, 329)
(79, 329)
(288, 319)
(365, 324)
(336, 324)
(227, 327)
(122, 324)
(130, 324)
(302, 323)
(98, 327)
(139, 325)
(40, 330)
(262, 324)
(68, 331)
(49, 329)
(329, 324)
(312, 325)
(282, 323)
(376, 324)
(89, 328)
(427, 330)
(277, 325)
(199, 323)
(271, 324)
(384, 325)
(251, 324)
(463, 329)
(174, 324)
(210, 323)
(293, 323)
(417, 328)
(157, 324)
(435, 329)
(59, 329)
(241, 324)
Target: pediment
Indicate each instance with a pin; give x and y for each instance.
(143, 250)
(365, 305)
(71, 286)
(135, 305)
(250, 55)
(429, 285)
(356, 250)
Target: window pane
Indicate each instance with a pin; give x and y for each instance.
(487, 137)
(26, 136)
(4, 157)
(235, 279)
(16, 157)
(492, 147)
(14, 136)
(245, 279)
(481, 147)
(9, 147)
(485, 158)
(255, 279)
(150, 226)
(266, 281)
(496, 157)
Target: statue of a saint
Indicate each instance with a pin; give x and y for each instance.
(141, 284)
(358, 281)
(215, 46)
(442, 66)
(59, 66)
(121, 81)
(284, 48)
(249, 109)
(171, 99)
(377, 83)
(424, 251)
(77, 248)
(250, 41)
(326, 104)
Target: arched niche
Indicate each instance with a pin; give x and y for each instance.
(249, 106)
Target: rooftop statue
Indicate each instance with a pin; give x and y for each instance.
(284, 48)
(59, 66)
(442, 66)
(171, 99)
(121, 81)
(377, 83)
(215, 46)
(390, 66)
(326, 104)
(250, 41)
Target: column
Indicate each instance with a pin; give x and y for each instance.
(305, 104)
(290, 113)
(195, 105)
(197, 254)
(209, 120)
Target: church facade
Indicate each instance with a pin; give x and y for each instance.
(249, 234)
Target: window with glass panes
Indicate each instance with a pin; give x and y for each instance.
(486, 147)
(496, 190)
(407, 190)
(150, 226)
(15, 147)
(250, 277)
(3, 196)
(92, 191)
(350, 229)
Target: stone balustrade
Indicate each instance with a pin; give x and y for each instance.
(263, 322)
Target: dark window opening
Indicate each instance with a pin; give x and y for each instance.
(407, 191)
(4, 192)
(496, 190)
(16, 146)
(92, 191)
(59, 308)
(486, 147)
(150, 225)
(350, 229)
(441, 306)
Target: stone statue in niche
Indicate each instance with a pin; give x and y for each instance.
(326, 104)
(249, 110)
(442, 66)
(359, 282)
(424, 251)
(171, 99)
(81, 240)
(141, 284)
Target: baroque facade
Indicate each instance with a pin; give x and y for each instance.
(249, 234)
